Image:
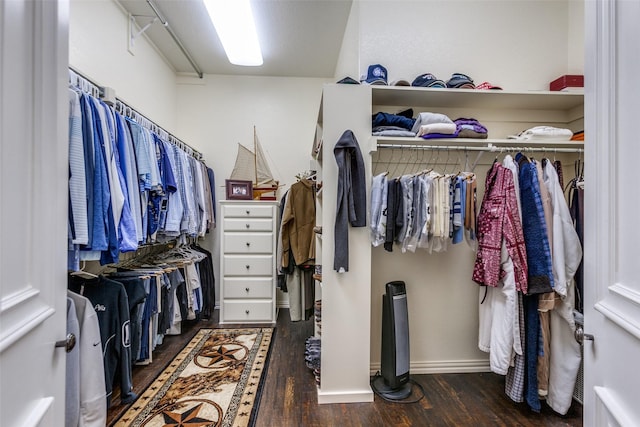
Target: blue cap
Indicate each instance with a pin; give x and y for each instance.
(427, 80)
(376, 75)
(461, 81)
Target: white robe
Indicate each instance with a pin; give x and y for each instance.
(565, 354)
(499, 332)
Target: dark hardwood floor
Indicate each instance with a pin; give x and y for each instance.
(289, 395)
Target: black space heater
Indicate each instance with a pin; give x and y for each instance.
(393, 383)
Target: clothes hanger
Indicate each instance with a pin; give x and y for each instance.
(83, 273)
(416, 165)
(397, 163)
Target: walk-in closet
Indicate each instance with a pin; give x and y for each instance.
(152, 272)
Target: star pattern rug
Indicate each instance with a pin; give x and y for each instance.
(214, 381)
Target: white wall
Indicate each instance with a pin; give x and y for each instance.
(576, 43)
(349, 52)
(218, 112)
(98, 41)
(519, 45)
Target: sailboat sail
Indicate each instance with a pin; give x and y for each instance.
(263, 172)
(253, 166)
(245, 167)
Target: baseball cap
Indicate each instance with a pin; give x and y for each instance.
(460, 81)
(427, 80)
(376, 75)
(487, 85)
(349, 81)
(400, 82)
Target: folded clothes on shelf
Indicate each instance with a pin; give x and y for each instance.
(543, 133)
(391, 119)
(391, 131)
(470, 128)
(436, 119)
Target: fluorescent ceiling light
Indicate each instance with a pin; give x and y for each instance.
(233, 21)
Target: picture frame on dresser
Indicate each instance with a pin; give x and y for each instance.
(239, 190)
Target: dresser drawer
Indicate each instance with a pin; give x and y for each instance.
(253, 311)
(248, 287)
(248, 265)
(248, 243)
(247, 211)
(248, 224)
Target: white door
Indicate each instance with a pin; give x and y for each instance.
(612, 213)
(33, 210)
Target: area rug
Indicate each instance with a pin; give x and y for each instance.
(214, 381)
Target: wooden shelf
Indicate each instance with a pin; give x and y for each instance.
(472, 98)
(471, 142)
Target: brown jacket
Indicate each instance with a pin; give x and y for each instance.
(298, 220)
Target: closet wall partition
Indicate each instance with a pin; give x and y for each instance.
(442, 298)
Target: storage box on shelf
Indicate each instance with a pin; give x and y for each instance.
(568, 82)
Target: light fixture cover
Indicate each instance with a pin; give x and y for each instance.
(233, 21)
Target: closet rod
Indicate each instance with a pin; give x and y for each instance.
(78, 80)
(488, 148)
(131, 112)
(175, 38)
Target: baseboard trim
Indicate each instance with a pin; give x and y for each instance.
(443, 367)
(355, 396)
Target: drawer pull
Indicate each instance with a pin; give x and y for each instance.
(246, 311)
(247, 266)
(248, 244)
(247, 289)
(247, 225)
(248, 212)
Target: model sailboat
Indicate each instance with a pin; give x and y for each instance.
(253, 166)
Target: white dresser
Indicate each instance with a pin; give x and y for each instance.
(248, 261)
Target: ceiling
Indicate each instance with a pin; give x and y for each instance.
(299, 38)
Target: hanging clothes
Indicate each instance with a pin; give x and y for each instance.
(540, 276)
(92, 394)
(499, 329)
(138, 188)
(546, 300)
(576, 208)
(427, 210)
(300, 287)
(298, 220)
(298, 248)
(498, 219)
(124, 145)
(378, 223)
(395, 213)
(72, 372)
(351, 202)
(420, 213)
(564, 352)
(77, 173)
(112, 308)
